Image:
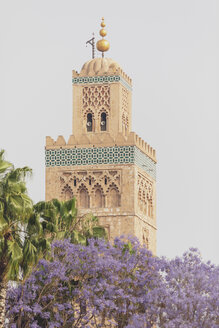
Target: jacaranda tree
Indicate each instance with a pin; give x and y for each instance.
(120, 285)
(89, 286)
(190, 295)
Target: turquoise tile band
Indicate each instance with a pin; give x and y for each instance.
(101, 80)
(100, 155)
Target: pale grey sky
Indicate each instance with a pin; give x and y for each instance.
(170, 48)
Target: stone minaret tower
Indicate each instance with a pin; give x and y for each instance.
(109, 169)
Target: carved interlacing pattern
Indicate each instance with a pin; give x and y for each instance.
(125, 119)
(125, 94)
(145, 195)
(94, 188)
(95, 97)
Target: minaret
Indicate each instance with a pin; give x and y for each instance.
(108, 168)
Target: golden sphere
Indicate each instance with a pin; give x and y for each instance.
(103, 32)
(103, 45)
(102, 24)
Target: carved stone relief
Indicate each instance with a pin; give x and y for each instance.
(96, 101)
(145, 237)
(94, 188)
(125, 119)
(145, 195)
(96, 96)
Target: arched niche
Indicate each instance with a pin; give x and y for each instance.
(67, 193)
(98, 198)
(113, 197)
(84, 200)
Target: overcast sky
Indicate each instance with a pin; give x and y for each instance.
(170, 48)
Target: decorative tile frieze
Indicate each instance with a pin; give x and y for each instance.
(101, 80)
(145, 162)
(100, 155)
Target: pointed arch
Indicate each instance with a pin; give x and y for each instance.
(67, 192)
(98, 197)
(103, 119)
(114, 198)
(89, 120)
(83, 197)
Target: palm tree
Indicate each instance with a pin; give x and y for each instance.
(16, 212)
(60, 220)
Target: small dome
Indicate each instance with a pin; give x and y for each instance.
(99, 66)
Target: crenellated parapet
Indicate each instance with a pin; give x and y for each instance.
(102, 139)
(124, 76)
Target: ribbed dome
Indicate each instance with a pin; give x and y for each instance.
(99, 66)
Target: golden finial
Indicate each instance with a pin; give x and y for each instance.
(103, 45)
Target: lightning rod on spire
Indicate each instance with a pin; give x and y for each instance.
(92, 43)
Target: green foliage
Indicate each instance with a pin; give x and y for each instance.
(15, 210)
(4, 166)
(14, 250)
(60, 221)
(27, 230)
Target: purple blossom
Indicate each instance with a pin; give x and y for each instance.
(122, 284)
(191, 294)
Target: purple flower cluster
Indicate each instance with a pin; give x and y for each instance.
(120, 285)
(191, 293)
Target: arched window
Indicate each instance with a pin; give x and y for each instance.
(89, 122)
(84, 198)
(103, 122)
(114, 198)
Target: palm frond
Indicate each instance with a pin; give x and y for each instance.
(19, 174)
(14, 250)
(3, 226)
(29, 251)
(4, 165)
